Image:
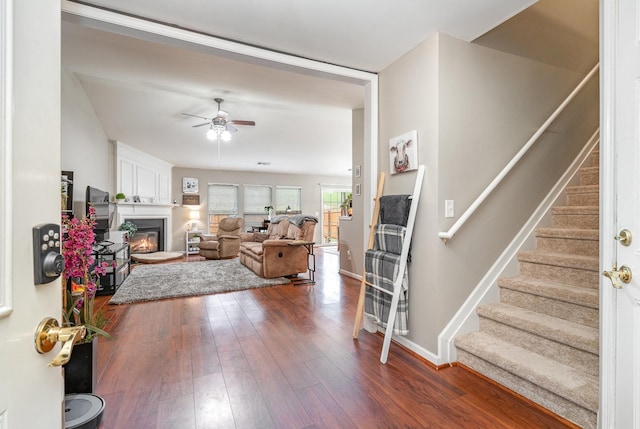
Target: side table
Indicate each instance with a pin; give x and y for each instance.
(192, 241)
(311, 260)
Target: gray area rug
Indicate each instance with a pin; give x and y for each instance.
(152, 282)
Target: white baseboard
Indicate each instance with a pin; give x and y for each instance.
(350, 274)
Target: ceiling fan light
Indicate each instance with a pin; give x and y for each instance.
(225, 136)
(211, 134)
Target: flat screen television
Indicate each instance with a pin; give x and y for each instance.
(105, 212)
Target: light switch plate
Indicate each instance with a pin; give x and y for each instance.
(448, 208)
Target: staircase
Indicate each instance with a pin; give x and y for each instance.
(542, 339)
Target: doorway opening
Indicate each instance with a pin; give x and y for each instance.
(335, 203)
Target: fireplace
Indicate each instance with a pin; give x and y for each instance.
(149, 237)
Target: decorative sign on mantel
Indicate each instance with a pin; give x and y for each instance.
(191, 200)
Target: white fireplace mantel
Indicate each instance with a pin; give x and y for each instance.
(148, 211)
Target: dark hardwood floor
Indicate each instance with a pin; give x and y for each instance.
(283, 357)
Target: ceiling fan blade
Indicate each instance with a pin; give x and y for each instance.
(230, 128)
(222, 114)
(196, 116)
(239, 122)
(201, 125)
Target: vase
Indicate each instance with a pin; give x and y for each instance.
(80, 372)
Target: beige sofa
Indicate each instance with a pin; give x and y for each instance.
(270, 254)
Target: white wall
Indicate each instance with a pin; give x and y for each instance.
(86, 150)
(501, 99)
(409, 101)
(311, 194)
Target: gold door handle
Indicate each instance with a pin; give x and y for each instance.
(49, 333)
(616, 276)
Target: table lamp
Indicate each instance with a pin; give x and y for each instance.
(194, 215)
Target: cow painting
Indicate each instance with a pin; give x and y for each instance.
(402, 153)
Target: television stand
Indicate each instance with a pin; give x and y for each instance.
(118, 258)
(102, 247)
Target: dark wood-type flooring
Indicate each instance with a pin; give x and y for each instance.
(283, 357)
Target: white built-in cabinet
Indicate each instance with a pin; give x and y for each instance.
(142, 175)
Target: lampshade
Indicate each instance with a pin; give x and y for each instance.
(194, 215)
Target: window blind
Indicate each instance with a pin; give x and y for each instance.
(288, 197)
(222, 199)
(256, 198)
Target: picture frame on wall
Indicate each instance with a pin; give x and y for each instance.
(189, 185)
(403, 152)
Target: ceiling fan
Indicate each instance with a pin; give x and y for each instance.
(220, 126)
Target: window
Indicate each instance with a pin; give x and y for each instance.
(222, 202)
(288, 200)
(256, 198)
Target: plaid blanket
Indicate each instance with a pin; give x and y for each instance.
(382, 264)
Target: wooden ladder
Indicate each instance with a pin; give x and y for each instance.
(397, 282)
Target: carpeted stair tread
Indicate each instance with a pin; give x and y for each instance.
(541, 339)
(558, 291)
(583, 189)
(575, 210)
(589, 176)
(583, 196)
(573, 233)
(576, 216)
(568, 240)
(562, 380)
(589, 263)
(576, 335)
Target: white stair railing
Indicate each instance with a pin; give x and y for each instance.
(490, 188)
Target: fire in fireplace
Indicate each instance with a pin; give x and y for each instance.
(144, 242)
(149, 237)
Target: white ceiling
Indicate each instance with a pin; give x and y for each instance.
(139, 88)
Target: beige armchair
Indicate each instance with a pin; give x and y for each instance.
(224, 244)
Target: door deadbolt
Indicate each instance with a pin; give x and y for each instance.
(624, 237)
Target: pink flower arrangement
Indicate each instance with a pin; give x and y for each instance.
(81, 271)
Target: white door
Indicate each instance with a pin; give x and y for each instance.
(620, 160)
(31, 394)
